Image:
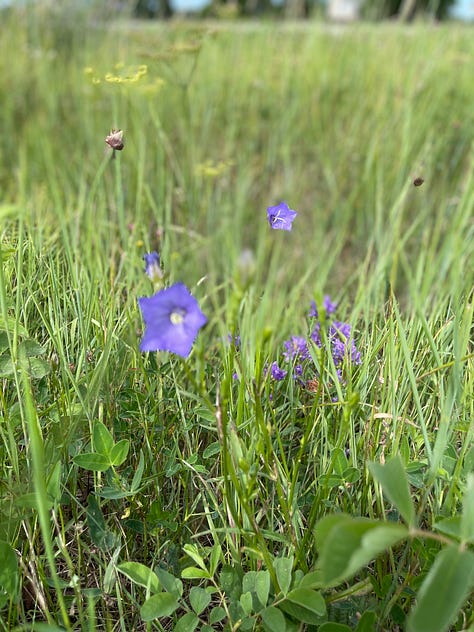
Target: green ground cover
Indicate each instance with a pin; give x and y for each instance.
(146, 491)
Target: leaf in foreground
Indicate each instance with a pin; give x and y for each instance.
(446, 587)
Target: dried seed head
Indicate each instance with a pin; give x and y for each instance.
(115, 139)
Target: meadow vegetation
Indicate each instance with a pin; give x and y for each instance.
(146, 491)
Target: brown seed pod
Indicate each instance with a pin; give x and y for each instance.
(418, 182)
(115, 139)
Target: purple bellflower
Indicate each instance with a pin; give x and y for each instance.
(152, 266)
(280, 217)
(172, 320)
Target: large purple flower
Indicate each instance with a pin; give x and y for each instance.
(172, 320)
(280, 217)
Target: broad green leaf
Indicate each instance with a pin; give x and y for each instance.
(305, 605)
(169, 582)
(193, 553)
(334, 627)
(160, 605)
(444, 590)
(352, 543)
(230, 579)
(92, 461)
(100, 535)
(199, 599)
(367, 622)
(211, 450)
(193, 572)
(467, 517)
(339, 461)
(119, 452)
(394, 481)
(217, 614)
(312, 580)
(273, 619)
(351, 475)
(283, 567)
(37, 368)
(449, 526)
(141, 575)
(246, 602)
(103, 440)
(262, 586)
(30, 348)
(9, 574)
(6, 366)
(187, 623)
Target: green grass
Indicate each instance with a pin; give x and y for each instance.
(227, 120)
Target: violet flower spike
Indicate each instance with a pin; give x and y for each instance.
(172, 320)
(280, 217)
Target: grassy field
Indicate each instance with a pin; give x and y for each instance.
(264, 482)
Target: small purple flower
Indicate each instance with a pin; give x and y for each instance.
(296, 349)
(152, 266)
(277, 373)
(328, 306)
(234, 340)
(316, 335)
(342, 344)
(280, 217)
(172, 320)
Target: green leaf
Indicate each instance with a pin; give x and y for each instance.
(443, 591)
(217, 614)
(305, 605)
(394, 481)
(273, 620)
(193, 572)
(137, 477)
(9, 574)
(262, 586)
(199, 599)
(37, 368)
(367, 622)
(211, 450)
(309, 599)
(351, 543)
(334, 627)
(30, 348)
(54, 483)
(119, 452)
(141, 575)
(92, 461)
(215, 558)
(467, 518)
(283, 567)
(100, 535)
(169, 582)
(103, 440)
(193, 553)
(160, 605)
(6, 366)
(449, 526)
(246, 602)
(230, 579)
(187, 623)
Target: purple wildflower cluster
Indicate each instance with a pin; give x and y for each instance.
(297, 348)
